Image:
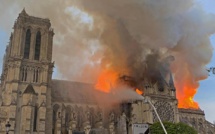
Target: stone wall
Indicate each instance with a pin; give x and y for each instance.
(196, 119)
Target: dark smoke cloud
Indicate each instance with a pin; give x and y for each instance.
(120, 34)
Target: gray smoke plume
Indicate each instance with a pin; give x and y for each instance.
(92, 35)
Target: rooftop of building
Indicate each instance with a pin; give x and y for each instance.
(24, 16)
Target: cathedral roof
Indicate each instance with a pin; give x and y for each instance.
(73, 92)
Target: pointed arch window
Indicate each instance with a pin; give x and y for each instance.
(54, 118)
(37, 46)
(36, 75)
(24, 73)
(35, 118)
(27, 44)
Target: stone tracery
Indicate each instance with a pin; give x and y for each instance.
(164, 110)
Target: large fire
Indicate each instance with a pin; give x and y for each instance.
(185, 98)
(186, 89)
(106, 80)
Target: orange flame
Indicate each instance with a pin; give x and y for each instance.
(186, 89)
(139, 91)
(106, 80)
(185, 100)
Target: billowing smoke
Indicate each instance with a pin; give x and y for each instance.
(125, 36)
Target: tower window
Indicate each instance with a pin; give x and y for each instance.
(27, 44)
(36, 75)
(35, 119)
(24, 74)
(37, 46)
(55, 116)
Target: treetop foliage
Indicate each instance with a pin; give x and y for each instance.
(172, 128)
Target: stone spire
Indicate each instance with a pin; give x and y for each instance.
(23, 12)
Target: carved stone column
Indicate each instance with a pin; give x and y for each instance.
(122, 124)
(99, 120)
(87, 127)
(112, 123)
(73, 122)
(72, 126)
(86, 123)
(111, 128)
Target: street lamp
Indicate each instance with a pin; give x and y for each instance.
(7, 127)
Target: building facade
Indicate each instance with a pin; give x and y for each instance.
(26, 75)
(34, 103)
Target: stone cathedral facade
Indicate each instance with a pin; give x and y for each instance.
(34, 103)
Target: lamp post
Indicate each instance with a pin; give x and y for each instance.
(7, 127)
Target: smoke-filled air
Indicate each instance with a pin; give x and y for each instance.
(100, 41)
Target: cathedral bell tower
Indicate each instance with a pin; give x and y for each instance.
(26, 76)
(161, 93)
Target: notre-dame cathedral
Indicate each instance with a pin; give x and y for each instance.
(34, 103)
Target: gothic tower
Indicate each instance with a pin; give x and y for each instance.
(26, 76)
(161, 93)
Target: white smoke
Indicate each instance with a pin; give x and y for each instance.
(96, 34)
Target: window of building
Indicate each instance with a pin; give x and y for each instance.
(35, 119)
(36, 75)
(24, 74)
(27, 44)
(67, 119)
(37, 46)
(54, 118)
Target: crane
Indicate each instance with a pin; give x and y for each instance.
(211, 70)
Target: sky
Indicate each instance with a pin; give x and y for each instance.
(206, 92)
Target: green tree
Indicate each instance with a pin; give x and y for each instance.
(172, 128)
